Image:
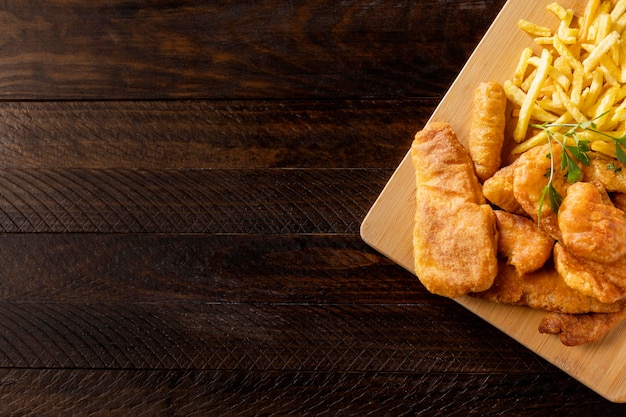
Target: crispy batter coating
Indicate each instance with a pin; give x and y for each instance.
(578, 329)
(486, 133)
(591, 226)
(499, 190)
(454, 238)
(530, 179)
(604, 282)
(521, 242)
(543, 289)
(609, 172)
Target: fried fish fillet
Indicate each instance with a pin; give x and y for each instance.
(454, 238)
(486, 132)
(530, 180)
(543, 289)
(604, 282)
(521, 242)
(609, 172)
(499, 190)
(578, 329)
(592, 228)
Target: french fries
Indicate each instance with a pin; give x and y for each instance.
(577, 75)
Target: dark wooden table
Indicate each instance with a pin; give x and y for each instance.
(181, 188)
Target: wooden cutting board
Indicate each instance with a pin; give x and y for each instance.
(388, 225)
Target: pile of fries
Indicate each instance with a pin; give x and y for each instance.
(578, 76)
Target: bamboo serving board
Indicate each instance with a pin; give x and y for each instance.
(388, 226)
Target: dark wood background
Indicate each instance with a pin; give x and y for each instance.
(181, 188)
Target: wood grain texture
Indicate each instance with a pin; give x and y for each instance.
(181, 186)
(297, 269)
(209, 134)
(185, 393)
(187, 201)
(123, 49)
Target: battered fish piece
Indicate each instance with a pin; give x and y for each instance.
(530, 179)
(578, 329)
(499, 190)
(543, 289)
(592, 228)
(604, 282)
(522, 243)
(454, 238)
(609, 172)
(486, 132)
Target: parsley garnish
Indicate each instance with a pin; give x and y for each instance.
(574, 150)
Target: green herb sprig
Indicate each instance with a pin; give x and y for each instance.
(571, 153)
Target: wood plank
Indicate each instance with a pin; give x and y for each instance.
(209, 134)
(99, 268)
(196, 49)
(256, 337)
(187, 201)
(227, 393)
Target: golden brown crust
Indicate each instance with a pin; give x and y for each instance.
(543, 289)
(487, 126)
(522, 243)
(604, 282)
(499, 190)
(454, 238)
(530, 180)
(579, 329)
(592, 228)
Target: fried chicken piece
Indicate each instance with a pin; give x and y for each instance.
(521, 242)
(499, 190)
(578, 329)
(454, 238)
(486, 131)
(543, 289)
(530, 179)
(592, 228)
(609, 172)
(604, 282)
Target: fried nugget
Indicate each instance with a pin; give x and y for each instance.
(604, 282)
(578, 329)
(543, 289)
(530, 178)
(591, 226)
(521, 242)
(454, 238)
(609, 172)
(486, 131)
(499, 190)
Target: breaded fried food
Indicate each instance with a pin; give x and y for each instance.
(530, 179)
(543, 289)
(486, 131)
(578, 329)
(604, 282)
(454, 238)
(499, 190)
(592, 228)
(521, 242)
(609, 172)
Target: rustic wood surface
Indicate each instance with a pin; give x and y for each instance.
(181, 188)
